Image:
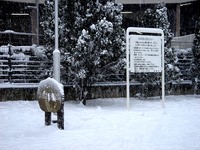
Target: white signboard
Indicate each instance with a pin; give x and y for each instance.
(145, 53)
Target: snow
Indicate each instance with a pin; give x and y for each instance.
(18, 85)
(104, 124)
(9, 31)
(56, 51)
(52, 83)
(37, 50)
(20, 56)
(93, 27)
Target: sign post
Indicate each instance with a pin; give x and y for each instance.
(144, 53)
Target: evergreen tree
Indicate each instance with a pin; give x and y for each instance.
(69, 26)
(91, 40)
(48, 24)
(195, 67)
(99, 47)
(158, 18)
(196, 44)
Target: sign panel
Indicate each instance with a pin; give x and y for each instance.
(145, 53)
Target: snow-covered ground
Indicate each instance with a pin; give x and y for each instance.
(104, 124)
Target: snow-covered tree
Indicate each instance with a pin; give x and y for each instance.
(70, 25)
(48, 24)
(196, 42)
(195, 67)
(99, 47)
(158, 18)
(91, 40)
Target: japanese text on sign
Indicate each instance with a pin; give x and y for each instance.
(145, 53)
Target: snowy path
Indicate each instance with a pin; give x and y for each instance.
(104, 124)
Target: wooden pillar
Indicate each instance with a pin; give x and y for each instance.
(177, 20)
(60, 115)
(33, 16)
(47, 118)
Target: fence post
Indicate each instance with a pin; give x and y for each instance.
(9, 64)
(47, 118)
(60, 115)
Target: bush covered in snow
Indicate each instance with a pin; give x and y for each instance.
(196, 50)
(91, 40)
(157, 17)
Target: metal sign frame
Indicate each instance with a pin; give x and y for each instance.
(153, 32)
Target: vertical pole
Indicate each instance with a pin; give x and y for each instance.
(56, 24)
(9, 64)
(37, 31)
(56, 52)
(56, 69)
(163, 71)
(127, 70)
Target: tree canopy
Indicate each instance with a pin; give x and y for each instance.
(91, 39)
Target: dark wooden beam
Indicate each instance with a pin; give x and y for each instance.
(178, 19)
